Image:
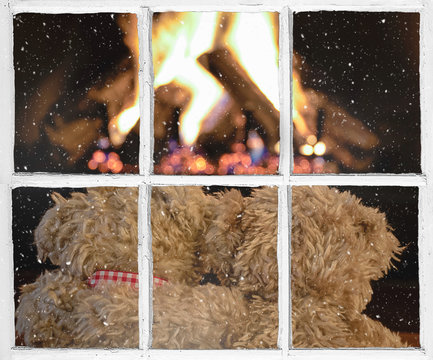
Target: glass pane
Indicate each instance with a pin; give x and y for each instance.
(356, 92)
(355, 267)
(216, 93)
(215, 271)
(75, 259)
(76, 93)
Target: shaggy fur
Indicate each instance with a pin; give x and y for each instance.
(338, 247)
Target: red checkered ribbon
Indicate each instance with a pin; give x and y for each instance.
(111, 276)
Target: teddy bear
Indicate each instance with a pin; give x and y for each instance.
(215, 270)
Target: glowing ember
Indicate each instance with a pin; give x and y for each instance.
(184, 160)
(106, 162)
(305, 165)
(320, 148)
(306, 149)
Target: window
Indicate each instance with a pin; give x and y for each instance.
(145, 176)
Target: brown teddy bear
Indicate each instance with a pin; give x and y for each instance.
(215, 270)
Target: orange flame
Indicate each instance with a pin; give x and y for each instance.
(299, 102)
(188, 35)
(121, 125)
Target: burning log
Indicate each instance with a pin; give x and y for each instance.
(224, 126)
(169, 101)
(225, 68)
(74, 137)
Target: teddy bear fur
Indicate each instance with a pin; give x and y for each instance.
(338, 247)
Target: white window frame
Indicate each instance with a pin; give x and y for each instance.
(145, 179)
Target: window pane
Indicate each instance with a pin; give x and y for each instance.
(76, 93)
(355, 267)
(75, 258)
(215, 268)
(216, 93)
(356, 92)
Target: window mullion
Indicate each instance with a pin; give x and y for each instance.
(145, 76)
(144, 267)
(7, 340)
(285, 45)
(7, 104)
(284, 304)
(425, 243)
(285, 77)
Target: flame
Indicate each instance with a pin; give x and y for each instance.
(194, 36)
(120, 126)
(180, 41)
(123, 123)
(300, 102)
(252, 40)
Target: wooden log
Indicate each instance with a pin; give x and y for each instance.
(226, 69)
(170, 99)
(224, 126)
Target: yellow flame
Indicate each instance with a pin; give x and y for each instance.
(320, 148)
(299, 102)
(194, 37)
(253, 42)
(122, 124)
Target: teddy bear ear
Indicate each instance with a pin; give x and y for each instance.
(45, 233)
(92, 231)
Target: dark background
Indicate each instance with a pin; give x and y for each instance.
(395, 299)
(368, 63)
(82, 50)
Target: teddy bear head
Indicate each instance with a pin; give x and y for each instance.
(89, 232)
(338, 247)
(99, 231)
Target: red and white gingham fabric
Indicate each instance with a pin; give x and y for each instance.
(111, 276)
(157, 281)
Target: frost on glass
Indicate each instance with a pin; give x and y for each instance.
(216, 108)
(76, 93)
(356, 100)
(354, 267)
(76, 270)
(215, 271)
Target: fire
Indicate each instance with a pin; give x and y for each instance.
(120, 126)
(177, 43)
(253, 42)
(300, 103)
(249, 35)
(179, 64)
(305, 114)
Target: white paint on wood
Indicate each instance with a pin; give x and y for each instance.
(145, 179)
